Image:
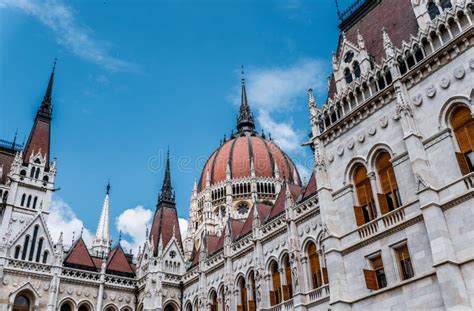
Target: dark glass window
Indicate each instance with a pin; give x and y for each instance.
(433, 10)
(356, 69)
(348, 75)
(348, 57)
(446, 4)
(404, 261)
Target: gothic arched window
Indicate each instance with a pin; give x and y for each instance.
(33, 242)
(23, 197)
(25, 247)
(463, 126)
(445, 4)
(365, 208)
(32, 172)
(288, 287)
(275, 294)
(348, 75)
(45, 256)
(35, 200)
(314, 266)
(38, 252)
(389, 199)
(66, 307)
(17, 251)
(433, 10)
(243, 295)
(21, 303)
(356, 67)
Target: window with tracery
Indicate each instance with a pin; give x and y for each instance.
(365, 208)
(389, 199)
(463, 126)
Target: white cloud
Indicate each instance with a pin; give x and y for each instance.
(77, 38)
(275, 91)
(305, 172)
(133, 222)
(183, 227)
(62, 219)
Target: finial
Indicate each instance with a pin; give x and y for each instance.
(108, 187)
(73, 236)
(82, 230)
(120, 237)
(338, 10)
(242, 75)
(146, 231)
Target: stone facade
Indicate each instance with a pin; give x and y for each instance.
(341, 242)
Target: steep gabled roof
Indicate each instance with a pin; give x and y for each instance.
(164, 224)
(118, 262)
(310, 189)
(79, 257)
(279, 206)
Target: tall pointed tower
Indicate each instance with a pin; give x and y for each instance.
(101, 242)
(40, 135)
(165, 222)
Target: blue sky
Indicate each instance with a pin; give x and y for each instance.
(134, 77)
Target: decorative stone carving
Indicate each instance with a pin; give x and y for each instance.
(372, 130)
(471, 63)
(361, 137)
(340, 151)
(383, 122)
(350, 144)
(459, 72)
(444, 83)
(417, 100)
(431, 91)
(330, 157)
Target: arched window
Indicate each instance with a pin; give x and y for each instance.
(113, 309)
(389, 199)
(38, 252)
(253, 288)
(169, 308)
(356, 67)
(21, 303)
(401, 65)
(463, 126)
(222, 299)
(314, 266)
(32, 172)
(35, 200)
(214, 301)
(445, 4)
(433, 10)
(288, 287)
(33, 243)
(25, 247)
(84, 307)
(17, 251)
(365, 208)
(66, 307)
(37, 173)
(28, 202)
(275, 294)
(45, 256)
(23, 197)
(348, 75)
(243, 295)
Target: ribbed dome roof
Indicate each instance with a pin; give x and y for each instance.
(237, 153)
(268, 158)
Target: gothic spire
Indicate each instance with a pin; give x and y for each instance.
(101, 242)
(167, 194)
(46, 107)
(39, 138)
(245, 121)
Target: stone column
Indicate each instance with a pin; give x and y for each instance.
(373, 185)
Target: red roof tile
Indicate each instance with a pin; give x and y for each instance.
(166, 218)
(38, 140)
(117, 261)
(279, 206)
(396, 16)
(6, 160)
(78, 256)
(238, 151)
(311, 188)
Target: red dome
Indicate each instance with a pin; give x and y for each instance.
(239, 150)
